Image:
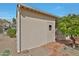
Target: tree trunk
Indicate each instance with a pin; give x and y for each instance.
(73, 46)
(73, 40)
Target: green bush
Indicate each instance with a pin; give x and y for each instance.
(5, 53)
(11, 32)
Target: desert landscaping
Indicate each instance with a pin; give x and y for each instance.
(50, 49)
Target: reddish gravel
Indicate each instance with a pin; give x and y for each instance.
(54, 49)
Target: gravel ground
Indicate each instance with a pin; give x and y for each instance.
(57, 49)
(10, 44)
(7, 43)
(50, 49)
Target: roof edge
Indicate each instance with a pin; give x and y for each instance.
(37, 10)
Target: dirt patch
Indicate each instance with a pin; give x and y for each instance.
(7, 43)
(58, 49)
(50, 49)
(54, 49)
(10, 44)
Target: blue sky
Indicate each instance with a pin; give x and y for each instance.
(8, 11)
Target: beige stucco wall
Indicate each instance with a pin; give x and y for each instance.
(34, 30)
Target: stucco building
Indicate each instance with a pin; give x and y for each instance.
(34, 28)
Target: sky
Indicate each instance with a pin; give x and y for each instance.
(8, 10)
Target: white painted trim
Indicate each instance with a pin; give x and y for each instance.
(18, 30)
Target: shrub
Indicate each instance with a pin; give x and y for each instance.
(11, 32)
(5, 53)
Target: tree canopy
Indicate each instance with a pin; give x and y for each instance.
(69, 25)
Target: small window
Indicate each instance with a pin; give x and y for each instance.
(50, 27)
